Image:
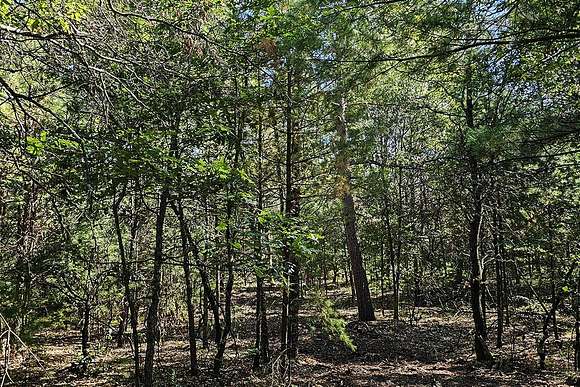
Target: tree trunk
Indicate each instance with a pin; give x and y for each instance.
(126, 277)
(484, 293)
(85, 329)
(549, 316)
(193, 367)
(382, 276)
(393, 261)
(221, 345)
(122, 324)
(261, 340)
(229, 239)
(499, 300)
(577, 318)
(152, 315)
(325, 276)
(204, 322)
(218, 285)
(291, 294)
(481, 350)
(475, 220)
(363, 296)
(25, 249)
(416, 282)
(350, 282)
(209, 294)
(553, 275)
(499, 282)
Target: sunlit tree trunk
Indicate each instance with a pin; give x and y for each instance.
(363, 297)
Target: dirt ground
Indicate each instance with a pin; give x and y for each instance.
(430, 347)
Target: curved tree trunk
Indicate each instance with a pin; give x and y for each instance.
(363, 297)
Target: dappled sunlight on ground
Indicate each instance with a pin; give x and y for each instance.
(434, 350)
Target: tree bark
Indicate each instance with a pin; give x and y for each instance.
(481, 350)
(193, 366)
(382, 276)
(126, 277)
(499, 281)
(261, 340)
(85, 329)
(364, 302)
(291, 293)
(549, 316)
(221, 343)
(122, 324)
(475, 220)
(577, 318)
(553, 274)
(205, 278)
(152, 315)
(395, 268)
(204, 322)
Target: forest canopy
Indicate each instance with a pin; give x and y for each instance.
(260, 192)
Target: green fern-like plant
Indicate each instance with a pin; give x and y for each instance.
(332, 323)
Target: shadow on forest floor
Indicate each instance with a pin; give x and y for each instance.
(435, 350)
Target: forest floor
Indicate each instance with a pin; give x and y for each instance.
(430, 347)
